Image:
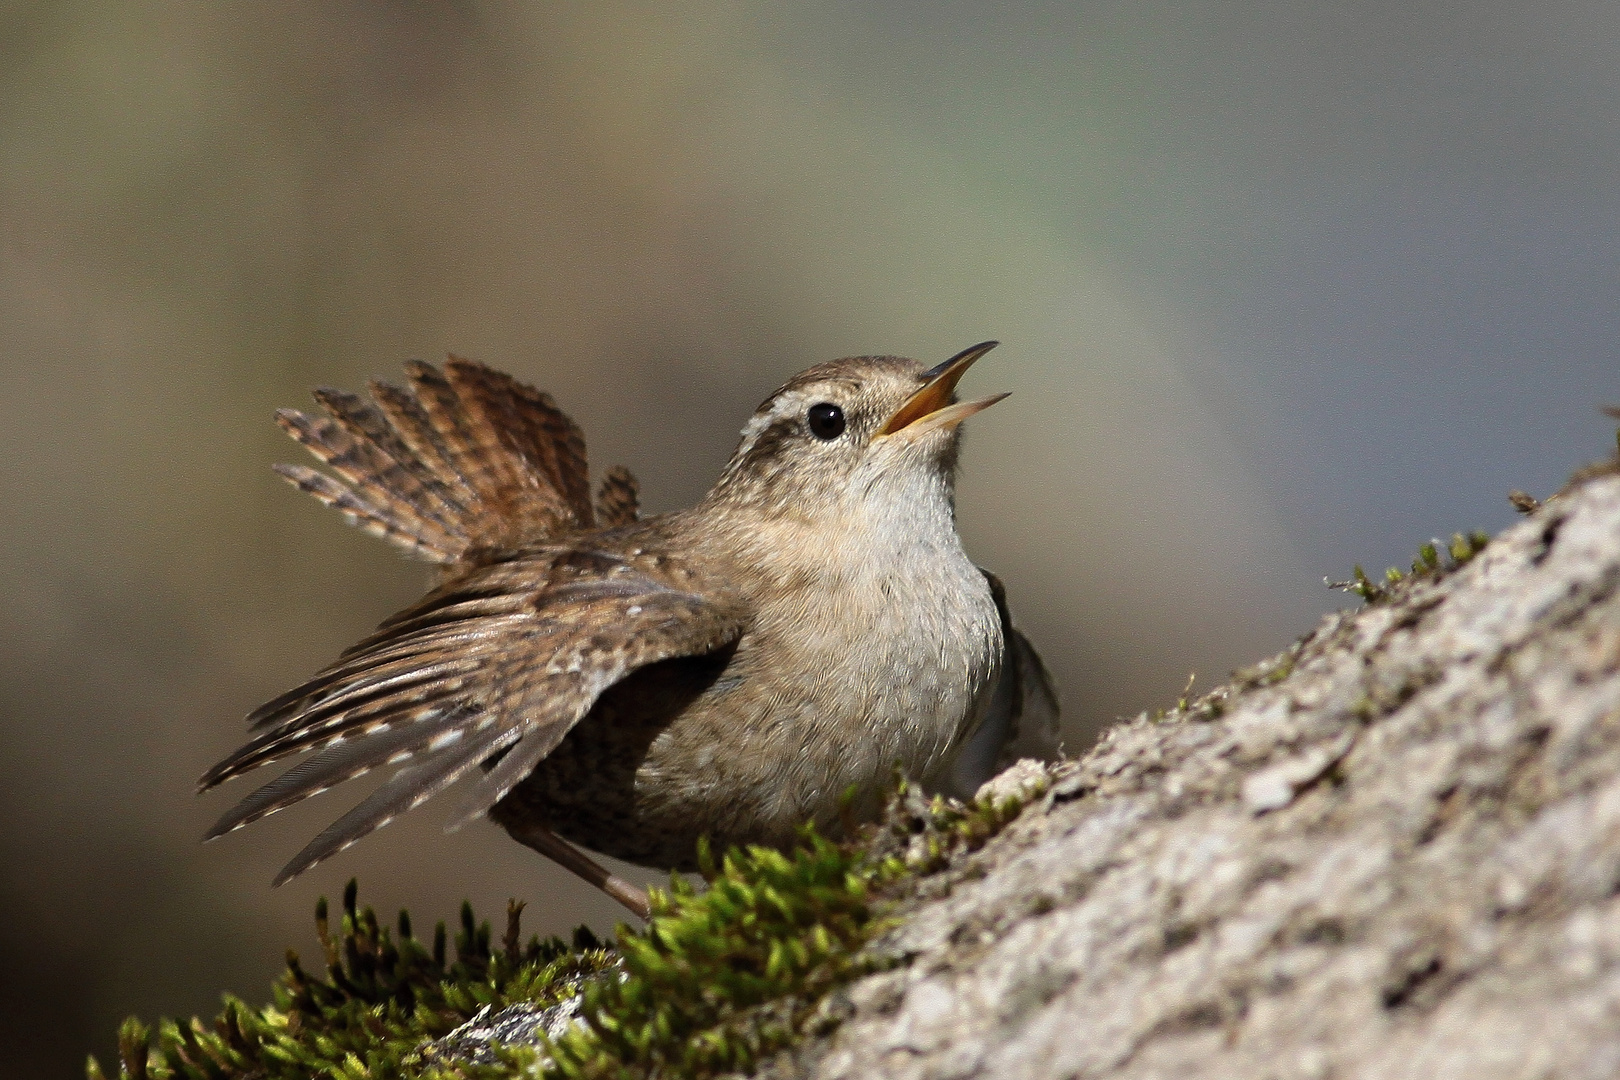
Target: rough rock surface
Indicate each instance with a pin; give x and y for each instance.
(1393, 851)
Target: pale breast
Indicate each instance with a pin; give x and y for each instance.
(746, 747)
(860, 670)
(872, 647)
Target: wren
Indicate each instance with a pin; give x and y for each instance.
(633, 684)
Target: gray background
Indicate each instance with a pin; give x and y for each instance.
(1283, 287)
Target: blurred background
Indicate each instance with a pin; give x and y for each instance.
(1283, 287)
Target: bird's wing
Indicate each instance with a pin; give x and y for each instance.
(459, 463)
(1023, 717)
(504, 660)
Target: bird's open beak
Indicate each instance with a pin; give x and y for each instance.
(930, 407)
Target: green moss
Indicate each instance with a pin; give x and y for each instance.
(384, 995)
(722, 977)
(1428, 564)
(725, 977)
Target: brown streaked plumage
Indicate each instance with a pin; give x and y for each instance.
(634, 684)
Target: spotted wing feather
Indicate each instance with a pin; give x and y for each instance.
(508, 657)
(404, 791)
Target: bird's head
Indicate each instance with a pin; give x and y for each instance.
(864, 428)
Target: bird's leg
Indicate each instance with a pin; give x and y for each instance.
(567, 855)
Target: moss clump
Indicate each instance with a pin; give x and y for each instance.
(384, 996)
(725, 977)
(1430, 563)
(721, 978)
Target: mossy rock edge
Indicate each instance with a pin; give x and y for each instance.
(724, 974)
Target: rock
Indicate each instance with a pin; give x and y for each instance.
(1394, 851)
(1019, 782)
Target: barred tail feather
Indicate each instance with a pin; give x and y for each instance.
(362, 466)
(400, 470)
(461, 462)
(618, 500)
(415, 539)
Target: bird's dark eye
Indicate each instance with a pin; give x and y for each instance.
(826, 420)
